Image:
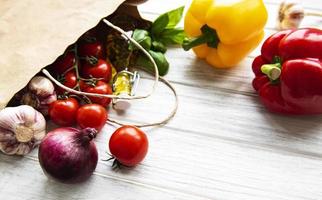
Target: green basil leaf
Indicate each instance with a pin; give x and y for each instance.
(167, 20)
(158, 46)
(142, 37)
(172, 36)
(159, 24)
(174, 17)
(161, 61)
(159, 58)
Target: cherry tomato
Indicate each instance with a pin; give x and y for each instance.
(91, 48)
(101, 69)
(100, 87)
(64, 62)
(63, 112)
(69, 80)
(129, 145)
(92, 116)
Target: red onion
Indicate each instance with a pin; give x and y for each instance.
(69, 155)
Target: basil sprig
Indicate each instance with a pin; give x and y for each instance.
(162, 33)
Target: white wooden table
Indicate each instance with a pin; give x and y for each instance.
(222, 144)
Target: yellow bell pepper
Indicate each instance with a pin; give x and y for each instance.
(224, 31)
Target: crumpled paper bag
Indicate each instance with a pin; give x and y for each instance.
(34, 33)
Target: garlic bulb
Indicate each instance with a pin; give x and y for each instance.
(21, 129)
(290, 15)
(41, 86)
(41, 93)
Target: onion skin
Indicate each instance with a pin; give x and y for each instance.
(68, 154)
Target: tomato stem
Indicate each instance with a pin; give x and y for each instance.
(91, 81)
(63, 96)
(111, 158)
(78, 78)
(87, 100)
(68, 70)
(116, 164)
(76, 66)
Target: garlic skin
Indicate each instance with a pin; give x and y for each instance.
(41, 86)
(21, 129)
(290, 15)
(41, 93)
(30, 99)
(45, 102)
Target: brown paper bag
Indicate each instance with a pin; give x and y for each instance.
(34, 33)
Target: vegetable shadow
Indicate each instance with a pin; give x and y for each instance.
(199, 73)
(301, 126)
(9, 159)
(57, 190)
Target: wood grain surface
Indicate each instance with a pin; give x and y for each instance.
(221, 145)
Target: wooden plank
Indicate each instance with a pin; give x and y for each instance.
(153, 9)
(211, 167)
(22, 178)
(222, 144)
(308, 5)
(225, 114)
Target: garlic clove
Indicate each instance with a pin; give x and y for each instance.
(30, 99)
(41, 86)
(6, 135)
(38, 127)
(49, 99)
(22, 149)
(44, 103)
(9, 149)
(41, 93)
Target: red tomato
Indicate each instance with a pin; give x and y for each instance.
(129, 145)
(94, 48)
(100, 87)
(69, 80)
(64, 62)
(92, 116)
(63, 112)
(101, 69)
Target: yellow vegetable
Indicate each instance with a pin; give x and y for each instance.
(224, 31)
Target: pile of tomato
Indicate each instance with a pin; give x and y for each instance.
(82, 67)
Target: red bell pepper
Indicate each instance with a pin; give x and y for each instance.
(289, 72)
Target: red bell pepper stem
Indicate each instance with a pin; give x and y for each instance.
(273, 71)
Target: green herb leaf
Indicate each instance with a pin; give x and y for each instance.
(172, 36)
(174, 17)
(160, 60)
(142, 37)
(158, 46)
(167, 20)
(159, 24)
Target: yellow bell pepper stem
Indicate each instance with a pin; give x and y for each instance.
(209, 36)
